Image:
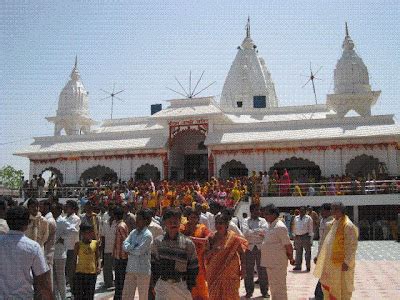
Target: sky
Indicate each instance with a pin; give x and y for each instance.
(141, 46)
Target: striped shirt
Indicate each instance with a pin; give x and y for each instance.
(121, 234)
(174, 259)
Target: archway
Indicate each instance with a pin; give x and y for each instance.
(101, 172)
(299, 169)
(233, 168)
(147, 172)
(364, 165)
(52, 173)
(188, 156)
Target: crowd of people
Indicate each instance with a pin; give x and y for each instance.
(256, 185)
(190, 248)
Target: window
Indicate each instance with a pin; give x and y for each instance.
(259, 102)
(239, 104)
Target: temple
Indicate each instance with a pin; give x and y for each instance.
(245, 131)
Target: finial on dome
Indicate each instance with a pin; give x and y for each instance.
(248, 27)
(75, 73)
(348, 43)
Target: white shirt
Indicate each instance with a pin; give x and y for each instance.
(60, 251)
(155, 229)
(108, 231)
(303, 225)
(73, 223)
(253, 230)
(211, 220)
(235, 228)
(204, 220)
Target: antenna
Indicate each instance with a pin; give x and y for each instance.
(312, 78)
(112, 95)
(191, 93)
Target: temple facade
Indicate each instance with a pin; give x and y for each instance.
(245, 131)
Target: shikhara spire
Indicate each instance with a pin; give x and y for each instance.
(347, 29)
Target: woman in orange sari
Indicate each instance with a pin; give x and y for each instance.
(225, 261)
(199, 234)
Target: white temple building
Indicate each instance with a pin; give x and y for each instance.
(247, 130)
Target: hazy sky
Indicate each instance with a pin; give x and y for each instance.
(141, 47)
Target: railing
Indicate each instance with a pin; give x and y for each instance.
(332, 188)
(273, 190)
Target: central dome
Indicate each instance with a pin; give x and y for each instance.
(248, 85)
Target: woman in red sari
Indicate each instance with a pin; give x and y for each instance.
(225, 261)
(199, 234)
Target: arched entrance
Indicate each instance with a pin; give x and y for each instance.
(101, 172)
(147, 172)
(298, 168)
(233, 168)
(188, 156)
(52, 173)
(364, 165)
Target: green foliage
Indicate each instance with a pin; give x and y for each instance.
(10, 177)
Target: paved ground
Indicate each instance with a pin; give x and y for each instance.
(377, 275)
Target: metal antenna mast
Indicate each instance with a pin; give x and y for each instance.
(312, 78)
(191, 93)
(112, 95)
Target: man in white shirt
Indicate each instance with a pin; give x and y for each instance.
(72, 236)
(303, 234)
(108, 232)
(3, 210)
(60, 252)
(211, 219)
(44, 207)
(254, 231)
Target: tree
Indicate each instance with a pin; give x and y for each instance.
(10, 177)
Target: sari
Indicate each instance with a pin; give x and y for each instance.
(200, 291)
(223, 268)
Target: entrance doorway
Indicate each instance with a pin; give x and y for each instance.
(188, 158)
(196, 167)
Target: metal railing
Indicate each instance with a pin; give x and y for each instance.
(272, 190)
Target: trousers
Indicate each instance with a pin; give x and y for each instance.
(59, 278)
(133, 281)
(253, 257)
(303, 242)
(166, 290)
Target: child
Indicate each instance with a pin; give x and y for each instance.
(86, 258)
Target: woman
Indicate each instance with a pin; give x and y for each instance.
(199, 234)
(276, 251)
(224, 258)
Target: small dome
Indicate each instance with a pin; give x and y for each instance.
(351, 74)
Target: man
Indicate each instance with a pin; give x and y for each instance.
(119, 255)
(253, 230)
(44, 207)
(174, 262)
(324, 226)
(71, 238)
(24, 271)
(38, 228)
(60, 252)
(336, 261)
(129, 216)
(203, 218)
(138, 245)
(3, 210)
(41, 183)
(276, 251)
(34, 186)
(205, 211)
(108, 229)
(303, 233)
(316, 219)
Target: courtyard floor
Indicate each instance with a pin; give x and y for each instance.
(377, 275)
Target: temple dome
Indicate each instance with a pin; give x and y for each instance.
(73, 107)
(351, 74)
(248, 80)
(73, 98)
